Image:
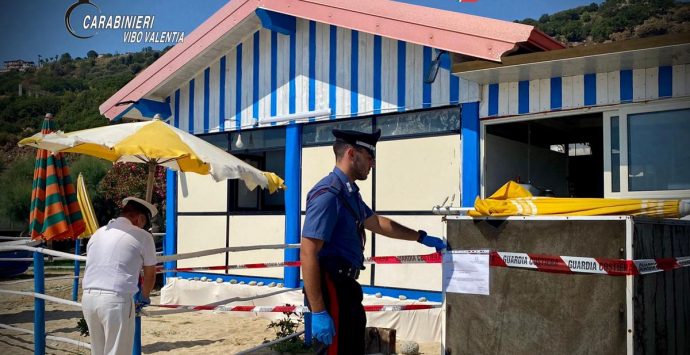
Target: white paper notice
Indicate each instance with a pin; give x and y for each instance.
(466, 271)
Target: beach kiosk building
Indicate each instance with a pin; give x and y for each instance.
(464, 103)
(268, 80)
(609, 120)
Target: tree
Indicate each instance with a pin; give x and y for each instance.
(129, 179)
(92, 54)
(135, 68)
(93, 170)
(65, 58)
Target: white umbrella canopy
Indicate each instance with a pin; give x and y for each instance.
(156, 143)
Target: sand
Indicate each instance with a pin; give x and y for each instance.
(198, 332)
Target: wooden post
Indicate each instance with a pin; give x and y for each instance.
(151, 180)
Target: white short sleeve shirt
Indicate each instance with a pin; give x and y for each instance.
(115, 255)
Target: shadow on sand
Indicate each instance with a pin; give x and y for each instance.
(28, 316)
(175, 345)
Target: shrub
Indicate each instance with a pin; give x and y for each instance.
(128, 179)
(652, 27)
(682, 14)
(16, 201)
(286, 327)
(83, 327)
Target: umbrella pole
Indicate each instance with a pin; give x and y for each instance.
(136, 346)
(39, 306)
(75, 284)
(150, 180)
(136, 350)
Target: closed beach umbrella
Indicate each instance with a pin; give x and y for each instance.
(55, 212)
(87, 211)
(156, 143)
(514, 200)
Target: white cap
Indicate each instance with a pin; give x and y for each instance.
(149, 206)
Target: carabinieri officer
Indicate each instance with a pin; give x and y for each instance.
(333, 243)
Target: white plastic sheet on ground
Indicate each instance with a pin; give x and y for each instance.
(422, 325)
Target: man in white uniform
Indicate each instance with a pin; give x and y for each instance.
(115, 256)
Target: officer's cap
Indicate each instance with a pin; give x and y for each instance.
(359, 139)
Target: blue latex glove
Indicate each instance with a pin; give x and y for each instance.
(322, 327)
(433, 242)
(141, 302)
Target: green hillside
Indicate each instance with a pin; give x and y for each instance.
(615, 20)
(71, 89)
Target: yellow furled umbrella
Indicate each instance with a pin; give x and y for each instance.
(156, 143)
(86, 208)
(514, 200)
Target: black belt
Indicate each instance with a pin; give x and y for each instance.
(340, 268)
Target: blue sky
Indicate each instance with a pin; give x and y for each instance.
(37, 27)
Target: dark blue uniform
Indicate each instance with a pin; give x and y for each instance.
(335, 214)
(330, 220)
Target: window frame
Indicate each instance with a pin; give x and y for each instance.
(375, 125)
(227, 139)
(234, 184)
(623, 114)
(258, 154)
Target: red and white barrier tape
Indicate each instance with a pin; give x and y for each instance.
(583, 265)
(297, 309)
(537, 262)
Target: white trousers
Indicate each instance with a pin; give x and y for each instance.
(110, 317)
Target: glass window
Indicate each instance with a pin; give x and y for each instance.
(579, 149)
(265, 150)
(274, 162)
(320, 133)
(259, 139)
(420, 122)
(259, 199)
(615, 156)
(658, 154)
(220, 140)
(245, 199)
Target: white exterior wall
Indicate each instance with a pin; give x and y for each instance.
(257, 230)
(317, 162)
(196, 233)
(409, 178)
(400, 188)
(413, 276)
(201, 193)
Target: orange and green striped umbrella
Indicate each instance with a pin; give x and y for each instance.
(55, 212)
